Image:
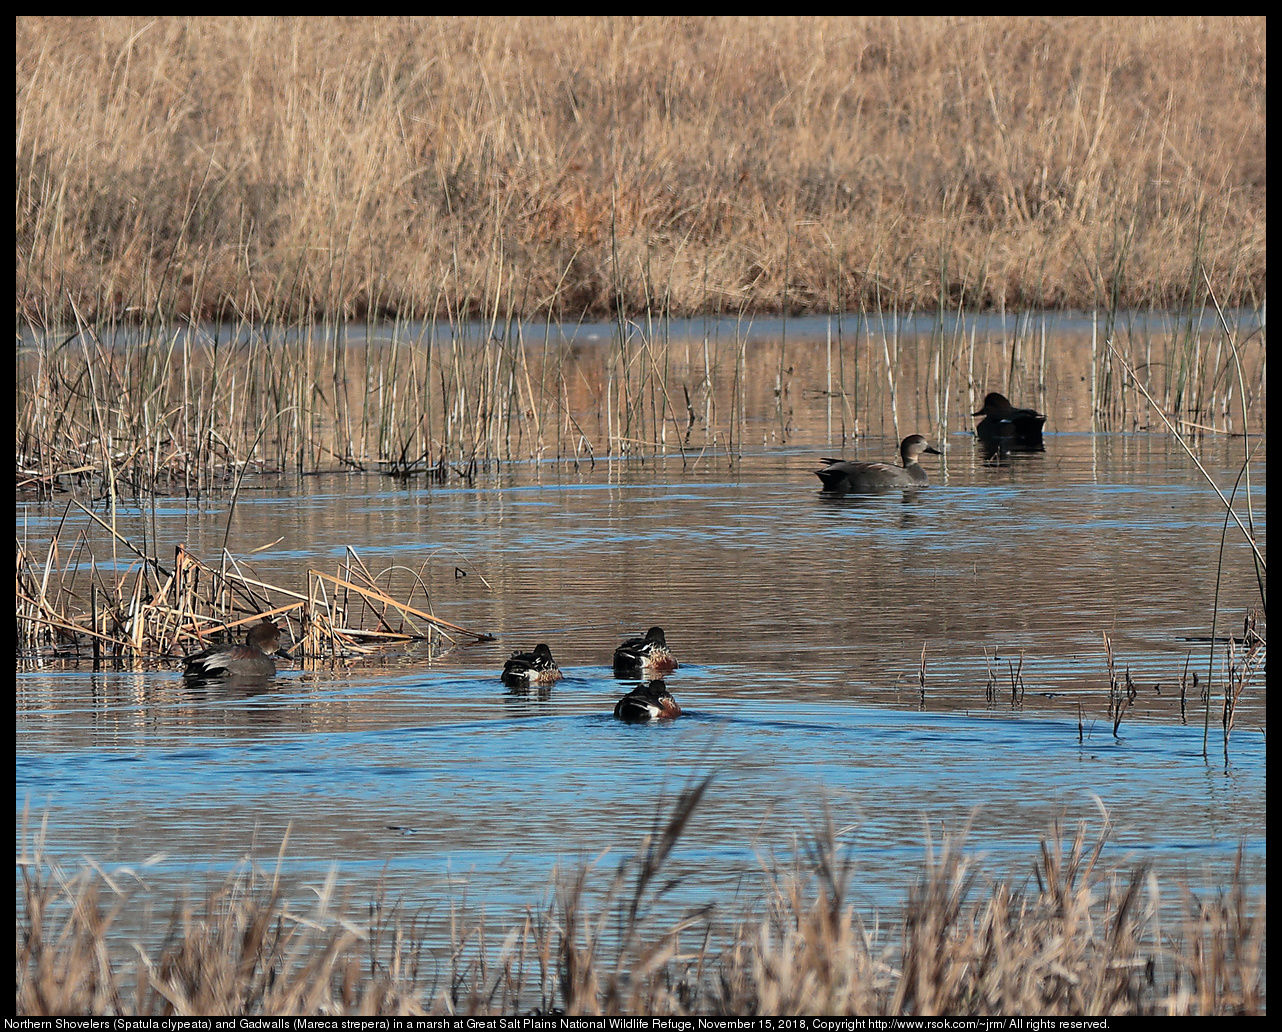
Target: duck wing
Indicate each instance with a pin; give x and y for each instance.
(646, 702)
(521, 664)
(635, 707)
(631, 653)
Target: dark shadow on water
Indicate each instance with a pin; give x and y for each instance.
(996, 450)
(872, 499)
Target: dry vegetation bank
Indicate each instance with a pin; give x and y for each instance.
(294, 167)
(1078, 937)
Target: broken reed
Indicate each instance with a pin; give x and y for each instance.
(1078, 937)
(147, 608)
(141, 409)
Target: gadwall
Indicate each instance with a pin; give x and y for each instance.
(649, 701)
(251, 660)
(649, 654)
(1006, 425)
(840, 477)
(527, 668)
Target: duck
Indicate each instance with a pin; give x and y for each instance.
(650, 654)
(251, 660)
(841, 477)
(1007, 425)
(648, 701)
(527, 668)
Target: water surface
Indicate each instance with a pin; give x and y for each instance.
(800, 624)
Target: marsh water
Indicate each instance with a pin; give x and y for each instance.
(800, 623)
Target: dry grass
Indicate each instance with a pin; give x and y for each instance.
(285, 176)
(1084, 939)
(283, 168)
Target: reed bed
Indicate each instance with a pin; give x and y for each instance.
(193, 411)
(1077, 936)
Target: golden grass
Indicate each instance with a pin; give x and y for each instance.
(284, 168)
(1079, 938)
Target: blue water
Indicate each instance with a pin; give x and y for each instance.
(800, 624)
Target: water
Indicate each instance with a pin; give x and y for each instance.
(800, 624)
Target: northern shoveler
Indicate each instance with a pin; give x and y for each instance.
(648, 701)
(841, 477)
(527, 668)
(251, 660)
(1005, 425)
(650, 654)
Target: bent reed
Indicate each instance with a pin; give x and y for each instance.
(277, 169)
(1077, 938)
(158, 611)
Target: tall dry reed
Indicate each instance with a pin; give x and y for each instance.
(464, 167)
(191, 411)
(1078, 938)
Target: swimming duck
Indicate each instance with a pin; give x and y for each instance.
(650, 654)
(527, 668)
(251, 660)
(649, 701)
(1005, 424)
(840, 477)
